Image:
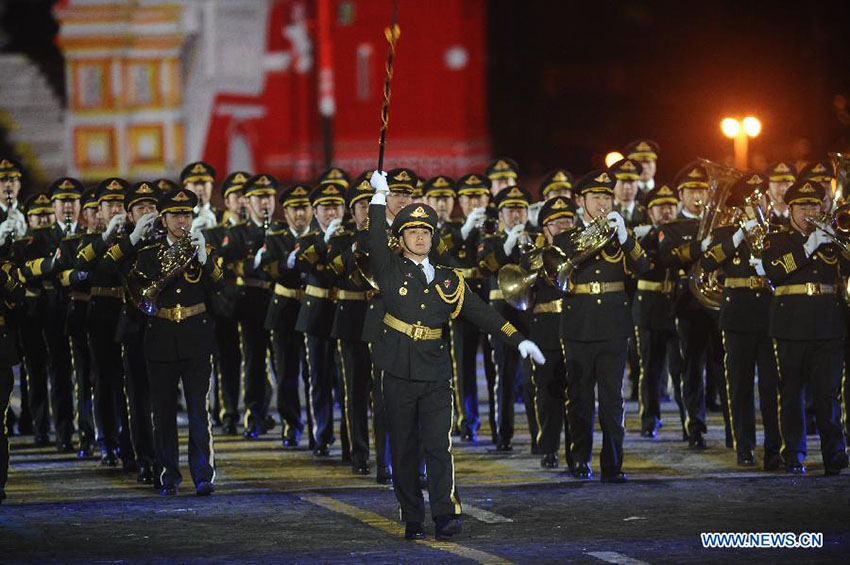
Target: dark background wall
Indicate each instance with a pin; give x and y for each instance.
(570, 81)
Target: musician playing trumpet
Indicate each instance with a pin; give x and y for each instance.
(735, 249)
(595, 327)
(807, 324)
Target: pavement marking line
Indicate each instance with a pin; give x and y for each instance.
(479, 513)
(614, 557)
(392, 527)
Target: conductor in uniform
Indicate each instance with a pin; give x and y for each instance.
(419, 299)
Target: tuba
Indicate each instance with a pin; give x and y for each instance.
(583, 242)
(173, 260)
(841, 173)
(706, 287)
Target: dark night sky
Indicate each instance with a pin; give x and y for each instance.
(570, 81)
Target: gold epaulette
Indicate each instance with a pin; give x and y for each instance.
(456, 296)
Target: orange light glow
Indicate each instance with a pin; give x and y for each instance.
(731, 127)
(612, 158)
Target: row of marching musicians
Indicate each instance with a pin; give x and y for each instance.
(301, 289)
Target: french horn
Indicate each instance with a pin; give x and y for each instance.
(143, 290)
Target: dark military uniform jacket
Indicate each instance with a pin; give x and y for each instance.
(229, 294)
(679, 248)
(741, 309)
(411, 299)
(104, 311)
(238, 249)
(194, 336)
(317, 309)
(601, 316)
(464, 254)
(352, 289)
(800, 316)
(653, 305)
(288, 285)
(11, 291)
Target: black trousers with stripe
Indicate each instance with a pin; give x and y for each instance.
(419, 416)
(195, 376)
(355, 371)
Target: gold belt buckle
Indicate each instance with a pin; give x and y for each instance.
(418, 332)
(595, 287)
(178, 314)
(755, 282)
(811, 288)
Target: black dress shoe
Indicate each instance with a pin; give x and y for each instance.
(582, 471)
(838, 462)
(229, 429)
(423, 482)
(168, 490)
(650, 433)
(42, 440)
(447, 526)
(204, 488)
(772, 462)
(321, 450)
(65, 447)
(251, 433)
(747, 459)
(290, 443)
(108, 458)
(413, 530)
(615, 478)
(549, 461)
(145, 476)
(86, 450)
(469, 437)
(384, 477)
(696, 441)
(504, 446)
(360, 469)
(795, 469)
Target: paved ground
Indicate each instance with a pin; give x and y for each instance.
(287, 506)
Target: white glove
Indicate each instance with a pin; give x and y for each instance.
(379, 182)
(757, 265)
(472, 220)
(703, 246)
(815, 240)
(19, 222)
(258, 258)
(142, 227)
(201, 243)
(641, 231)
(332, 227)
(7, 228)
(113, 225)
(513, 235)
(615, 220)
(738, 237)
(200, 223)
(290, 261)
(528, 347)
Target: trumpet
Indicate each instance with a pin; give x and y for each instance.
(752, 211)
(836, 226)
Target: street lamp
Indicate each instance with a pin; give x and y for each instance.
(741, 131)
(612, 158)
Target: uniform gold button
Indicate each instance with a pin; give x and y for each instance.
(426, 291)
(758, 295)
(599, 301)
(422, 306)
(596, 271)
(371, 307)
(179, 290)
(640, 297)
(727, 299)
